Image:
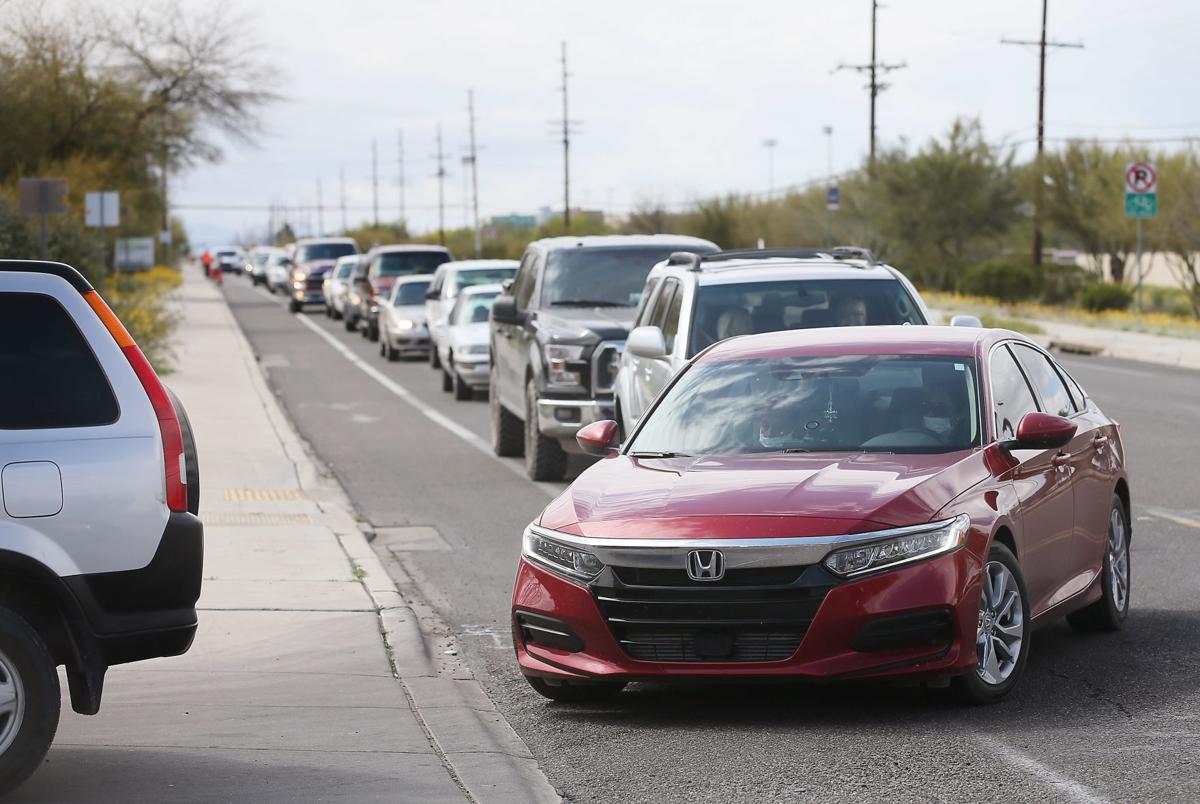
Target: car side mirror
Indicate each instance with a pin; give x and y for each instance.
(431, 295)
(1042, 431)
(599, 438)
(647, 342)
(504, 311)
(507, 284)
(965, 321)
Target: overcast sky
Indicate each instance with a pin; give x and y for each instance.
(674, 98)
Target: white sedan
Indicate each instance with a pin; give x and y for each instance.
(463, 350)
(402, 328)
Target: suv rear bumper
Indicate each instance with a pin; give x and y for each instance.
(149, 612)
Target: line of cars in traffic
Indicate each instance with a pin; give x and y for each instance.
(800, 476)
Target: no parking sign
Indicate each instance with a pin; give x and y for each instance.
(1141, 190)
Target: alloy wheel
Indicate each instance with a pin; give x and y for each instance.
(1118, 559)
(1001, 626)
(12, 703)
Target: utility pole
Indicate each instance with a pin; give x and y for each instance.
(342, 197)
(828, 132)
(400, 147)
(320, 211)
(375, 181)
(874, 85)
(1039, 182)
(441, 177)
(566, 143)
(474, 157)
(770, 145)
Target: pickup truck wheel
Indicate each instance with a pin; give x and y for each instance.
(507, 436)
(293, 306)
(435, 360)
(29, 700)
(544, 457)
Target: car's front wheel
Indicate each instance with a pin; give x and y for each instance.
(507, 435)
(545, 458)
(1109, 612)
(29, 700)
(575, 691)
(1002, 631)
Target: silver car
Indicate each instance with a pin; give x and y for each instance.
(402, 328)
(336, 286)
(448, 281)
(463, 350)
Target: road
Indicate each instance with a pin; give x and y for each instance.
(1096, 718)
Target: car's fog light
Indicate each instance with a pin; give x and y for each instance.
(560, 557)
(937, 538)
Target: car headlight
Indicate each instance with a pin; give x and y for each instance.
(476, 349)
(404, 324)
(299, 276)
(937, 538)
(560, 557)
(557, 357)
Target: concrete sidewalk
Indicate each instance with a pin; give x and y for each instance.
(309, 679)
(1142, 346)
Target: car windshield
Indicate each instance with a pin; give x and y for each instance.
(600, 277)
(410, 263)
(344, 270)
(723, 311)
(226, 254)
(261, 258)
(473, 309)
(845, 403)
(324, 251)
(481, 276)
(410, 293)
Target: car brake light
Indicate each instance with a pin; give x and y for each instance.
(174, 462)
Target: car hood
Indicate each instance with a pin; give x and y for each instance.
(413, 312)
(760, 495)
(610, 323)
(468, 334)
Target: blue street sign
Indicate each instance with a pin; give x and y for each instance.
(833, 198)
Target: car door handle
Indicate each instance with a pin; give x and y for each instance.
(1061, 459)
(1099, 441)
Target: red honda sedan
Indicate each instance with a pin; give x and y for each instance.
(849, 503)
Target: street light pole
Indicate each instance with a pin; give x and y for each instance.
(828, 131)
(770, 145)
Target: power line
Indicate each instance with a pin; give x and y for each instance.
(875, 86)
(1039, 182)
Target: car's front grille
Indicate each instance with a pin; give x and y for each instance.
(315, 284)
(751, 615)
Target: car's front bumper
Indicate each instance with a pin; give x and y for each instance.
(917, 620)
(308, 295)
(562, 418)
(475, 373)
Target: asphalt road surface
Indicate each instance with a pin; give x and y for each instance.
(1112, 717)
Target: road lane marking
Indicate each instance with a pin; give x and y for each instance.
(1173, 517)
(424, 409)
(1018, 759)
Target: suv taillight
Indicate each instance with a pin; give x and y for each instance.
(164, 411)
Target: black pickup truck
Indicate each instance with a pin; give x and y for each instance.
(557, 333)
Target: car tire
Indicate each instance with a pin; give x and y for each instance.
(575, 691)
(435, 359)
(372, 332)
(28, 670)
(462, 391)
(508, 436)
(349, 323)
(975, 686)
(447, 381)
(1109, 612)
(389, 352)
(545, 459)
(293, 306)
(335, 315)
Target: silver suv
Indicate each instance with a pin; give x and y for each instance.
(101, 552)
(691, 301)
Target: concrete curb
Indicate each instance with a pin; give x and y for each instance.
(478, 747)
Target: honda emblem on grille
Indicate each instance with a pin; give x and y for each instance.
(705, 565)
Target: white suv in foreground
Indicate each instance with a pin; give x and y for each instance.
(692, 301)
(101, 552)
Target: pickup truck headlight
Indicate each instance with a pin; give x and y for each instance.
(559, 557)
(557, 357)
(937, 538)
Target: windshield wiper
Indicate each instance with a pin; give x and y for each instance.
(795, 450)
(652, 454)
(587, 303)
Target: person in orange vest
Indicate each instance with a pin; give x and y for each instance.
(206, 261)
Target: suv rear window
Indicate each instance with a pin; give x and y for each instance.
(410, 263)
(723, 311)
(52, 378)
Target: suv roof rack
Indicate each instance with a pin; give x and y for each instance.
(60, 269)
(695, 262)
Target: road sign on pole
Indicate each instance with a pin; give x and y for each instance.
(1141, 190)
(102, 210)
(833, 198)
(43, 197)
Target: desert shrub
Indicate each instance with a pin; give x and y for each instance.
(1099, 298)
(1000, 279)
